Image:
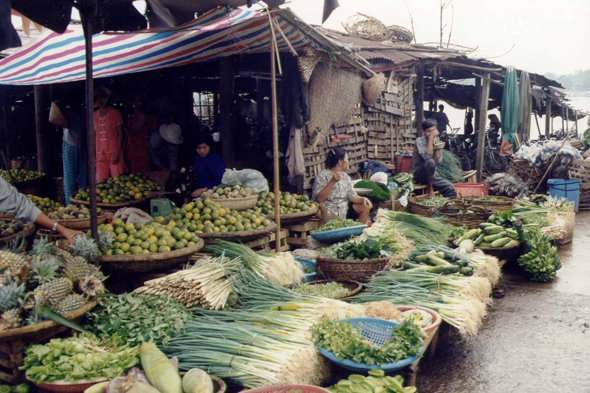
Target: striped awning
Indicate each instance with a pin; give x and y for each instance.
(57, 58)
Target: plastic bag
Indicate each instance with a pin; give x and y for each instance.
(248, 177)
(133, 215)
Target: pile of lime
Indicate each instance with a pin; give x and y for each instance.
(119, 189)
(46, 205)
(11, 227)
(14, 176)
(289, 203)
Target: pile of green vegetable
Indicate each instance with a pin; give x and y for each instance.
(376, 382)
(450, 168)
(337, 224)
(379, 191)
(81, 357)
(541, 260)
(405, 185)
(586, 139)
(347, 342)
(437, 201)
(421, 230)
(330, 290)
(359, 249)
(488, 235)
(436, 262)
(136, 318)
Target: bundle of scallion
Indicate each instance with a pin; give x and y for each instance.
(484, 266)
(450, 169)
(208, 283)
(421, 230)
(459, 300)
(280, 269)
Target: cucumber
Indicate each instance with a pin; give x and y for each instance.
(511, 244)
(466, 271)
(470, 234)
(421, 258)
(493, 230)
(491, 238)
(484, 225)
(501, 242)
(479, 239)
(485, 245)
(451, 269)
(438, 261)
(512, 233)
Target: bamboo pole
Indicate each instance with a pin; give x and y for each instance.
(548, 121)
(275, 140)
(483, 110)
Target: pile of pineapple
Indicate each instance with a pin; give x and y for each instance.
(48, 276)
(229, 191)
(71, 212)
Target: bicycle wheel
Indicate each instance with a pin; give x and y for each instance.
(494, 162)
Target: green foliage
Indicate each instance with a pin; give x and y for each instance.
(379, 192)
(347, 342)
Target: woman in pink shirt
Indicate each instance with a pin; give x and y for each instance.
(108, 127)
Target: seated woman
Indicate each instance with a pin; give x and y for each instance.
(333, 187)
(209, 167)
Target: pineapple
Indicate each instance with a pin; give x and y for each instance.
(54, 291)
(106, 240)
(91, 286)
(42, 247)
(77, 268)
(85, 247)
(69, 303)
(14, 263)
(11, 319)
(63, 254)
(45, 270)
(11, 295)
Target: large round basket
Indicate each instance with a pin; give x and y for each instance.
(218, 385)
(295, 218)
(41, 330)
(239, 236)
(378, 331)
(111, 205)
(436, 318)
(353, 287)
(287, 389)
(415, 207)
(495, 203)
(83, 223)
(27, 231)
(338, 235)
(340, 269)
(507, 253)
(459, 213)
(65, 387)
(32, 186)
(238, 204)
(150, 262)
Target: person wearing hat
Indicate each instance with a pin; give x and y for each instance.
(171, 135)
(108, 127)
(209, 167)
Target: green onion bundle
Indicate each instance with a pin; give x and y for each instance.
(450, 169)
(421, 230)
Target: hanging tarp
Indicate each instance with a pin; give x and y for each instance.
(510, 110)
(57, 58)
(526, 107)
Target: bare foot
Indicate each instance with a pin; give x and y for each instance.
(430, 194)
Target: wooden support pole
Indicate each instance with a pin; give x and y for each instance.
(420, 109)
(5, 141)
(227, 123)
(275, 144)
(481, 136)
(548, 121)
(43, 142)
(576, 114)
(567, 119)
(86, 16)
(562, 119)
(477, 102)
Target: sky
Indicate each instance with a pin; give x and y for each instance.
(548, 35)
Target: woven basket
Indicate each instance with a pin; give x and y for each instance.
(343, 270)
(580, 170)
(47, 233)
(66, 387)
(530, 173)
(239, 236)
(111, 205)
(149, 262)
(7, 217)
(295, 218)
(29, 183)
(507, 253)
(456, 213)
(28, 332)
(353, 287)
(28, 230)
(83, 223)
(238, 204)
(287, 389)
(500, 203)
(415, 207)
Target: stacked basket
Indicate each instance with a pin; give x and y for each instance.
(580, 170)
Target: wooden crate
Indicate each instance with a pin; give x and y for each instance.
(299, 233)
(267, 242)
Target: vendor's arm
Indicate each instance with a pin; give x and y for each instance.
(48, 223)
(361, 201)
(324, 188)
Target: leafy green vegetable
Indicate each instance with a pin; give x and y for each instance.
(437, 201)
(376, 382)
(362, 249)
(347, 342)
(337, 224)
(137, 318)
(83, 357)
(379, 192)
(330, 290)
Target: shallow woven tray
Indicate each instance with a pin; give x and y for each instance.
(28, 230)
(240, 235)
(353, 287)
(508, 253)
(151, 261)
(83, 223)
(66, 387)
(342, 270)
(295, 218)
(111, 205)
(43, 327)
(238, 204)
(454, 214)
(415, 207)
(501, 203)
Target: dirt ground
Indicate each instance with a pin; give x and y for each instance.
(535, 339)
